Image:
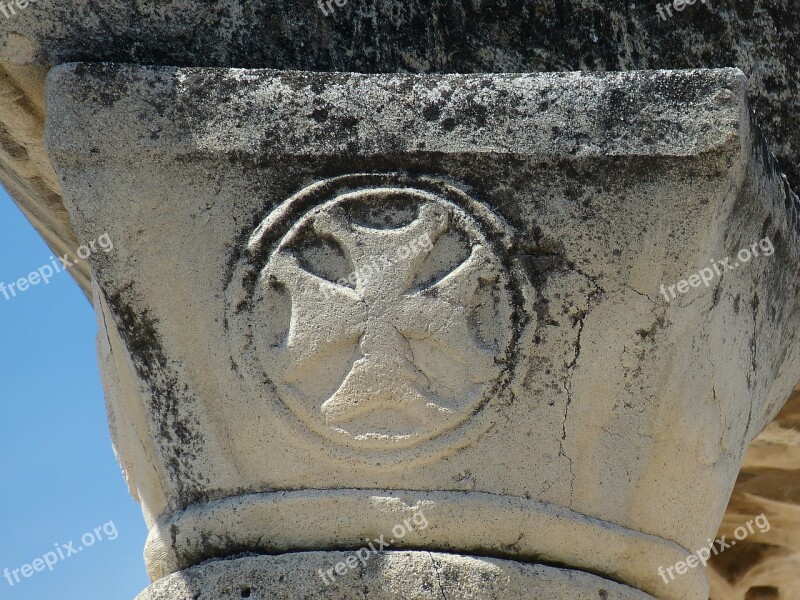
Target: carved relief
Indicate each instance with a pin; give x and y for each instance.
(384, 316)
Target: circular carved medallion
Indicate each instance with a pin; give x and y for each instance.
(383, 316)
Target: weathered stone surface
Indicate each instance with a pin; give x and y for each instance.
(426, 37)
(388, 576)
(421, 36)
(607, 435)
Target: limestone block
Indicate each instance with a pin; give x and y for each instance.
(416, 36)
(340, 299)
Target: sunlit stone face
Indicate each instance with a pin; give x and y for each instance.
(383, 317)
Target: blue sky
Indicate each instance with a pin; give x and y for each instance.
(59, 478)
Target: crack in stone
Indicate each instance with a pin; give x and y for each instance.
(512, 547)
(580, 322)
(438, 575)
(574, 360)
(561, 451)
(413, 355)
(701, 296)
(753, 350)
(638, 293)
(568, 389)
(721, 442)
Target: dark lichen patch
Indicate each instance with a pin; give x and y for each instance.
(537, 266)
(432, 112)
(438, 36)
(178, 432)
(320, 114)
(650, 332)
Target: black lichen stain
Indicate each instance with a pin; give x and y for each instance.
(439, 36)
(169, 399)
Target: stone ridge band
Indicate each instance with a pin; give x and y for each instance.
(470, 523)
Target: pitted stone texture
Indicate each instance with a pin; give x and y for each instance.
(383, 576)
(420, 36)
(424, 36)
(618, 407)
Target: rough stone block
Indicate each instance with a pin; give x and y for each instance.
(337, 300)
